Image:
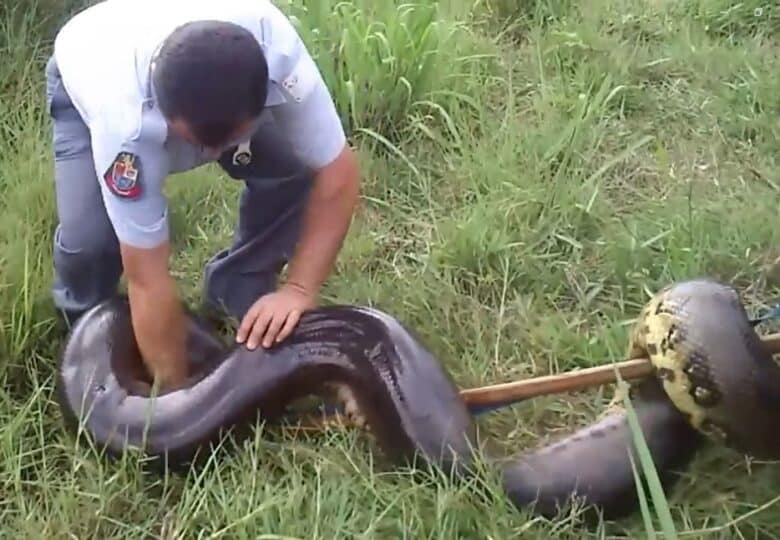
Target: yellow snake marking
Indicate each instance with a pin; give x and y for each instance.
(656, 335)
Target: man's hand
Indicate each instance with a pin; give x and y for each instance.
(325, 224)
(157, 315)
(273, 316)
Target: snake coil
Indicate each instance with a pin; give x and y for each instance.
(713, 380)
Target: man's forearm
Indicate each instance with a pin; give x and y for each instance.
(158, 322)
(325, 223)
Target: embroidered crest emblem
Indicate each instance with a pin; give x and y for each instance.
(123, 176)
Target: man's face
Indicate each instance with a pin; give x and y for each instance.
(241, 132)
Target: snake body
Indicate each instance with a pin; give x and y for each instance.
(393, 384)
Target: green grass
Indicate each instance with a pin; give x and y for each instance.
(531, 175)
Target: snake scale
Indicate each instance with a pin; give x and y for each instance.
(713, 382)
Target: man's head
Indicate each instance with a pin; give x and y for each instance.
(210, 78)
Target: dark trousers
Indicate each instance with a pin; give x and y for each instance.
(87, 262)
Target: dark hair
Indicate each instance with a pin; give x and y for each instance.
(213, 75)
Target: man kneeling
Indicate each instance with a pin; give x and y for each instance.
(139, 90)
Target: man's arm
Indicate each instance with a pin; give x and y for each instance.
(132, 170)
(326, 221)
(157, 314)
(312, 124)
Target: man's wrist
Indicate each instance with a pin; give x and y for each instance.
(307, 289)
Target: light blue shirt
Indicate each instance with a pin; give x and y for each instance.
(105, 55)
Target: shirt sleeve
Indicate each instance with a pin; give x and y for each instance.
(131, 172)
(308, 115)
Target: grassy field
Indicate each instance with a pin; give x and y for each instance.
(531, 175)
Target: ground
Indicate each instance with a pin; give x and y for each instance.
(531, 175)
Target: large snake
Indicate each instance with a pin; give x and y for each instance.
(713, 382)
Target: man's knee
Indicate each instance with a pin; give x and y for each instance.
(87, 268)
(88, 240)
(231, 289)
(83, 223)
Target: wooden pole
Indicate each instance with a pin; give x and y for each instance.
(511, 392)
(636, 368)
(572, 381)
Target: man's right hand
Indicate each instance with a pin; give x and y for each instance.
(157, 314)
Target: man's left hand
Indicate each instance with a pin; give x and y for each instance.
(273, 316)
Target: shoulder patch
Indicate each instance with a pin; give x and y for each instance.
(123, 176)
(302, 79)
